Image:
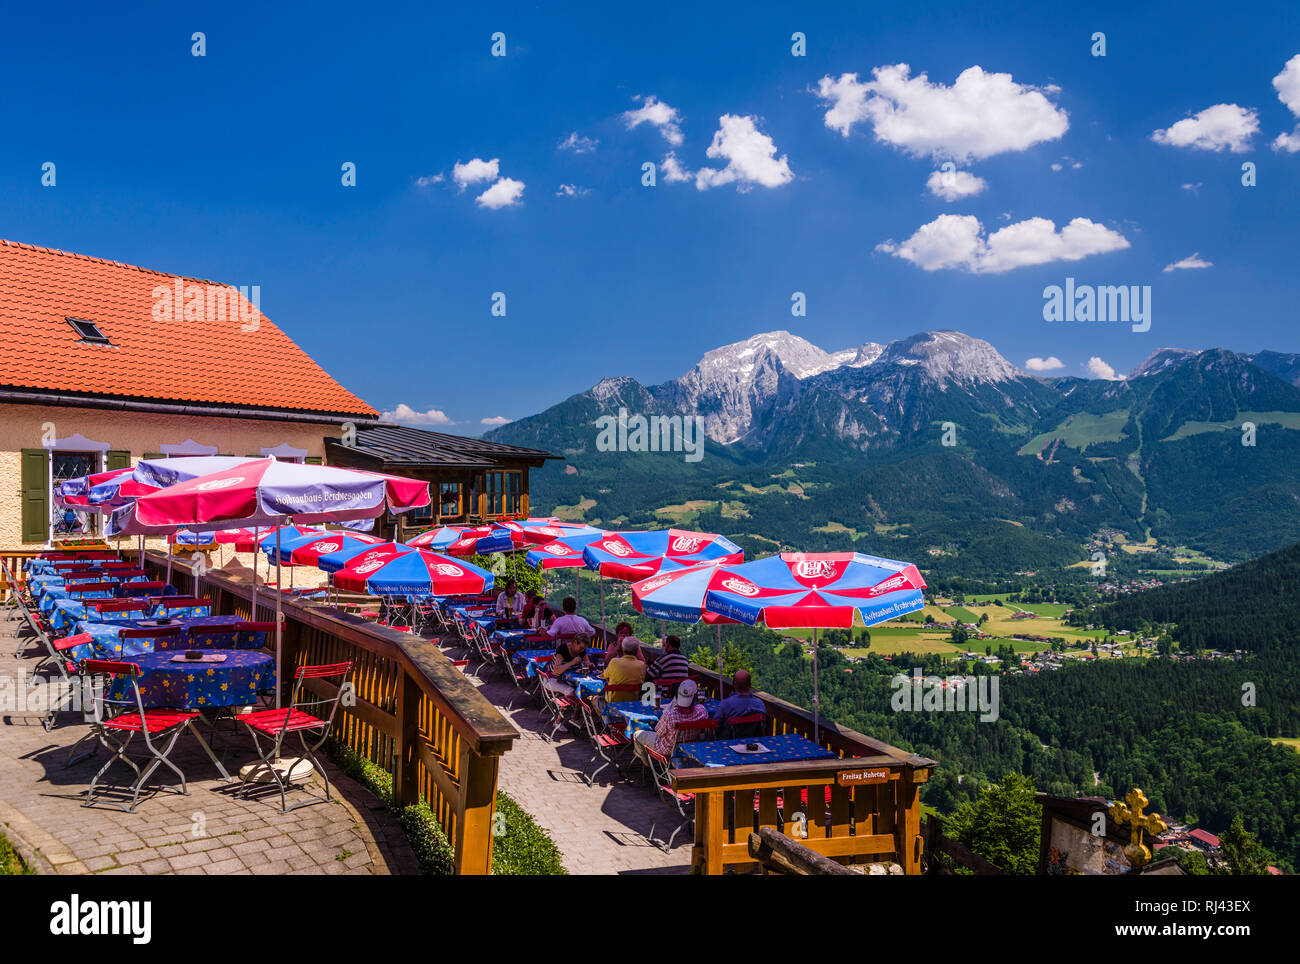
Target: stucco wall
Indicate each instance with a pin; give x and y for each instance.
(24, 426)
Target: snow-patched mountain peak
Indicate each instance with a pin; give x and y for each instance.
(949, 356)
(800, 357)
(1161, 359)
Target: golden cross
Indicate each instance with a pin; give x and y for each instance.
(1131, 812)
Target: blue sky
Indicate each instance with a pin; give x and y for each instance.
(228, 167)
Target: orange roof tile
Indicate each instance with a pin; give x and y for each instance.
(152, 353)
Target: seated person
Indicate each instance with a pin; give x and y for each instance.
(510, 601)
(621, 632)
(570, 624)
(671, 665)
(741, 702)
(684, 709)
(568, 655)
(623, 670)
(531, 602)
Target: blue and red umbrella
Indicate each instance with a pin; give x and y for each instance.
(464, 540)
(813, 590)
(414, 573)
(341, 558)
(309, 550)
(543, 530)
(639, 555)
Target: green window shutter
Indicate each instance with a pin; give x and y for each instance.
(314, 460)
(118, 459)
(154, 455)
(36, 495)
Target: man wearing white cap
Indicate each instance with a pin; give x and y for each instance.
(684, 708)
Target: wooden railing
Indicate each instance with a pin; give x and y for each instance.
(937, 846)
(410, 711)
(855, 823)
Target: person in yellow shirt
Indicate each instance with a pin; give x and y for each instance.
(622, 671)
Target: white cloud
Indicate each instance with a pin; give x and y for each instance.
(471, 172)
(1050, 363)
(1194, 261)
(572, 190)
(1099, 369)
(503, 194)
(405, 415)
(958, 241)
(655, 112)
(750, 155)
(953, 185)
(672, 169)
(429, 180)
(1287, 85)
(1221, 127)
(495, 420)
(1056, 166)
(1194, 188)
(578, 144)
(980, 115)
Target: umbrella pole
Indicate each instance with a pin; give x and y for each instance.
(252, 612)
(602, 601)
(816, 707)
(169, 559)
(721, 694)
(278, 630)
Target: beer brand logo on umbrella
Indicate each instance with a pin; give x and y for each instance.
(445, 569)
(814, 569)
(324, 547)
(685, 544)
(617, 549)
(557, 550)
(654, 584)
(368, 566)
(738, 585)
(218, 484)
(889, 585)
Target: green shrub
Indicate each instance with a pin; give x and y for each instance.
(11, 865)
(521, 847)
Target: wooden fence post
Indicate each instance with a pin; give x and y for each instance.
(406, 785)
(478, 784)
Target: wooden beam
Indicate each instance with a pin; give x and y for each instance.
(778, 852)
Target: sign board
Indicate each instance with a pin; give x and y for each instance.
(862, 776)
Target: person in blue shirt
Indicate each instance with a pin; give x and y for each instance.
(741, 702)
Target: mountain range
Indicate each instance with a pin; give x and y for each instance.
(937, 446)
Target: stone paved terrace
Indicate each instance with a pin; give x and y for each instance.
(41, 812)
(599, 829)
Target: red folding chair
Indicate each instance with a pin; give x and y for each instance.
(741, 727)
(608, 739)
(660, 765)
(275, 725)
(165, 638)
(116, 731)
(149, 588)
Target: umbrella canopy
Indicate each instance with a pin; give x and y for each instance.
(341, 558)
(562, 553)
(638, 555)
(308, 550)
(540, 531)
(813, 590)
(678, 595)
(268, 492)
(290, 536)
(417, 572)
(96, 492)
(464, 540)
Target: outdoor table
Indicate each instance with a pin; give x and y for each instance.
(36, 583)
(162, 609)
(106, 635)
(642, 716)
(65, 613)
(50, 596)
(785, 748)
(515, 639)
(235, 681)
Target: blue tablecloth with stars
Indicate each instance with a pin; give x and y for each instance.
(781, 749)
(512, 640)
(234, 682)
(105, 642)
(635, 715)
